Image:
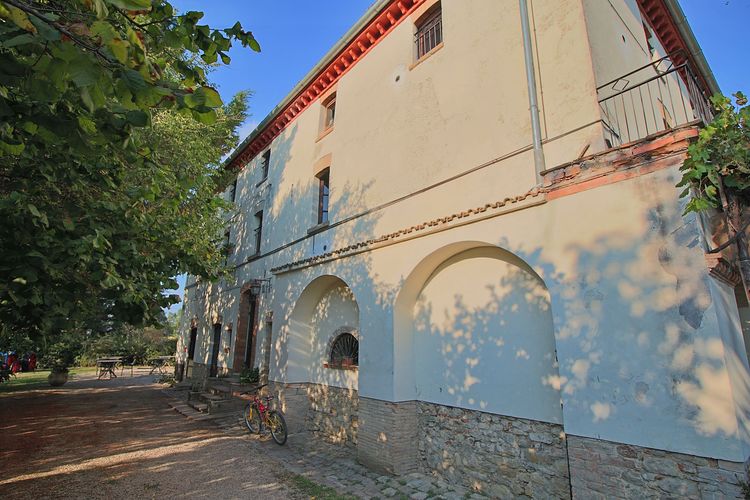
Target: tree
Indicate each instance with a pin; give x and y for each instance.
(101, 202)
(716, 174)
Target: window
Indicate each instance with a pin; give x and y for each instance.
(429, 31)
(233, 191)
(329, 111)
(258, 230)
(344, 352)
(227, 249)
(323, 195)
(265, 161)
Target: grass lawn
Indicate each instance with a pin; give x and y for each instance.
(32, 380)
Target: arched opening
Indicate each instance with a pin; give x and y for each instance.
(325, 317)
(475, 347)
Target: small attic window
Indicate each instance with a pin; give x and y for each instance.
(429, 31)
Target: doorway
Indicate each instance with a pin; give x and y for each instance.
(193, 339)
(215, 351)
(251, 332)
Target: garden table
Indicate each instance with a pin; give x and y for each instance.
(159, 363)
(106, 366)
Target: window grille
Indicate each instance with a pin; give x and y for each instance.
(429, 33)
(345, 351)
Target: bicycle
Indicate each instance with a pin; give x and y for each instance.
(258, 417)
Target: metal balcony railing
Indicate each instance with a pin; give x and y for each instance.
(659, 96)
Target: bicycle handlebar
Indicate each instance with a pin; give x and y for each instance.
(254, 390)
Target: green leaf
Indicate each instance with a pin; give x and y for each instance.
(137, 118)
(207, 118)
(18, 40)
(20, 280)
(12, 149)
(83, 72)
(211, 98)
(134, 80)
(119, 49)
(18, 17)
(30, 127)
(34, 211)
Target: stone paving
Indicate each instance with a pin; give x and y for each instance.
(330, 465)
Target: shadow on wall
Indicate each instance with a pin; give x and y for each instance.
(632, 317)
(482, 331)
(473, 328)
(219, 301)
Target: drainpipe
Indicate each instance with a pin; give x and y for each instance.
(536, 128)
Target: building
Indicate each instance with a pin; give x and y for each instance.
(421, 283)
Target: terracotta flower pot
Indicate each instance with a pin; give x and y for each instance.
(56, 379)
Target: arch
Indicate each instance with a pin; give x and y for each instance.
(325, 306)
(477, 321)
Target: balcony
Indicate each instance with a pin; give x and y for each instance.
(662, 95)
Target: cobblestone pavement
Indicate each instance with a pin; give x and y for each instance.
(331, 465)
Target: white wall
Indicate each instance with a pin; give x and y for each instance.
(483, 338)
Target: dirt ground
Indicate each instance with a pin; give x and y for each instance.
(119, 439)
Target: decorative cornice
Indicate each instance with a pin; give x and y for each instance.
(382, 24)
(488, 210)
(723, 270)
(658, 14)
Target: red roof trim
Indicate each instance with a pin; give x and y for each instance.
(391, 15)
(658, 16)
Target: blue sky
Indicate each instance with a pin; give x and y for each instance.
(295, 34)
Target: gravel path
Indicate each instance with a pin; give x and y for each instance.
(119, 439)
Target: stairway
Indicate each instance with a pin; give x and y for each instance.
(221, 396)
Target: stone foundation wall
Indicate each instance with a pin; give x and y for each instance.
(603, 469)
(293, 401)
(387, 433)
(197, 373)
(329, 413)
(333, 414)
(501, 457)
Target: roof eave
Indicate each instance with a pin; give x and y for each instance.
(310, 76)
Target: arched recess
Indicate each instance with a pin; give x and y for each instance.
(324, 309)
(473, 329)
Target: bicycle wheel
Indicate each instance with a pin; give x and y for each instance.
(277, 424)
(252, 418)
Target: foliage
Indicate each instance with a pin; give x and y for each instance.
(722, 152)
(249, 375)
(102, 199)
(62, 354)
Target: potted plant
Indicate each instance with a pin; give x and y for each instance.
(59, 357)
(58, 376)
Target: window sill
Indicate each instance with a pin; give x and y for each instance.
(318, 228)
(426, 56)
(253, 257)
(264, 179)
(340, 367)
(324, 133)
